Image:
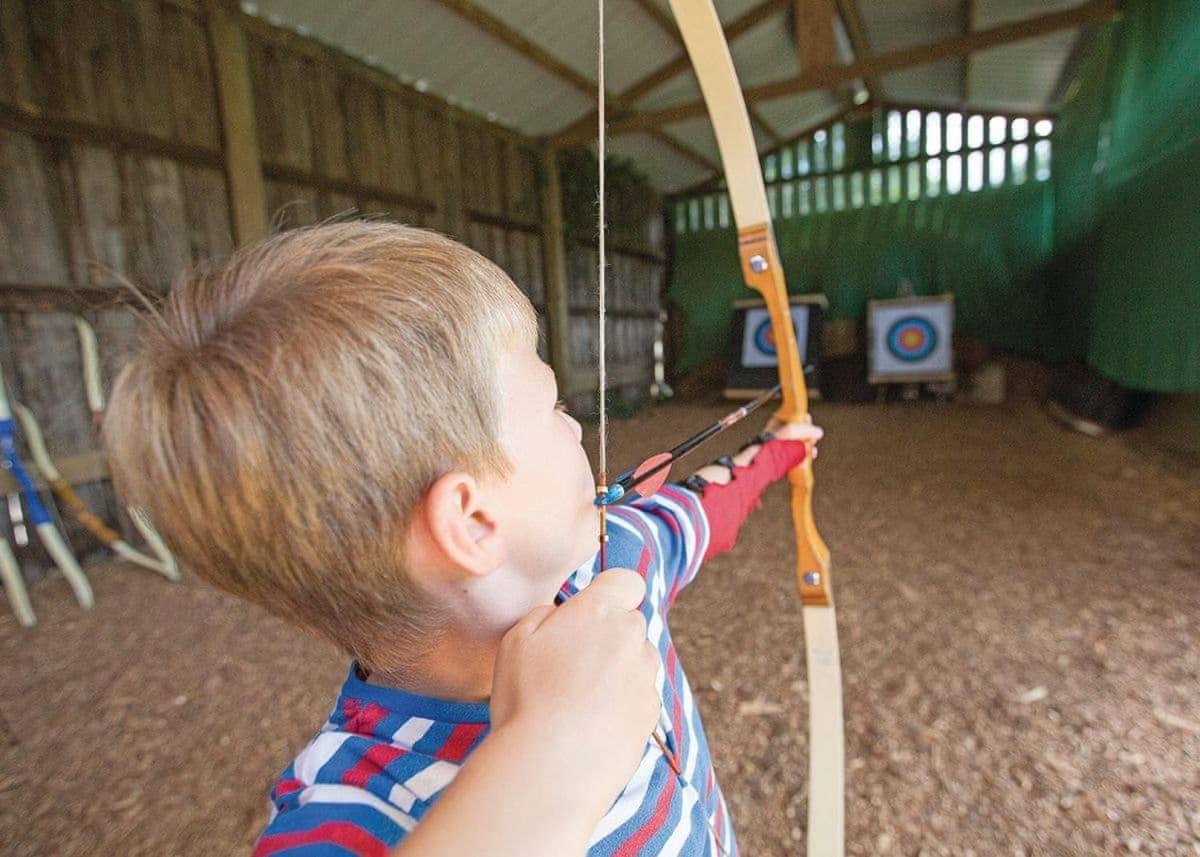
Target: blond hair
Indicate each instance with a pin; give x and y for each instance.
(285, 413)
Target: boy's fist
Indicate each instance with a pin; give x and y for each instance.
(801, 430)
(582, 677)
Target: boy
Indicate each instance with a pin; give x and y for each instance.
(350, 426)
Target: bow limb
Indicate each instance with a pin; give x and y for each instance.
(763, 272)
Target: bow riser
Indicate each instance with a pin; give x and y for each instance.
(762, 270)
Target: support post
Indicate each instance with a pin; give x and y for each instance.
(554, 260)
(239, 137)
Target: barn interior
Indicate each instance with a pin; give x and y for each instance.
(1010, 480)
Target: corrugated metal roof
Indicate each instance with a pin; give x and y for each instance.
(425, 43)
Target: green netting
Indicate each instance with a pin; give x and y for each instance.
(1098, 264)
(1128, 174)
(989, 248)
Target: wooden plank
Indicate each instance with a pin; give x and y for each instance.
(291, 94)
(210, 233)
(327, 123)
(856, 32)
(57, 127)
(537, 279)
(31, 246)
(54, 297)
(17, 70)
(167, 252)
(147, 73)
(292, 205)
(812, 33)
(400, 162)
(554, 266)
(79, 469)
(1091, 12)
(274, 172)
(449, 162)
(364, 132)
(104, 251)
(190, 85)
(509, 223)
(236, 102)
(104, 62)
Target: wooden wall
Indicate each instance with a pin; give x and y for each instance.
(112, 170)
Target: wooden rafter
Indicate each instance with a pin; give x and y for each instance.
(812, 33)
(852, 21)
(1092, 12)
(667, 24)
(581, 129)
(502, 32)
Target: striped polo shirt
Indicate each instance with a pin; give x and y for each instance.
(384, 756)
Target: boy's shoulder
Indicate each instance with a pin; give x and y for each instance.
(372, 771)
(662, 537)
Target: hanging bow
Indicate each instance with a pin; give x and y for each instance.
(761, 268)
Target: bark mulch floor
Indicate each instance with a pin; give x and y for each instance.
(1018, 610)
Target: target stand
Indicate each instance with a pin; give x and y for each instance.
(910, 340)
(753, 361)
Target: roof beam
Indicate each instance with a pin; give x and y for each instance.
(667, 24)
(502, 32)
(852, 20)
(1091, 12)
(581, 129)
(812, 33)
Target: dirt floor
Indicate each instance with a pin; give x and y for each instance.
(1018, 610)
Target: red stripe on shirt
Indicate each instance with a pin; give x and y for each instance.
(372, 762)
(645, 833)
(286, 787)
(676, 707)
(460, 741)
(340, 833)
(362, 719)
(643, 563)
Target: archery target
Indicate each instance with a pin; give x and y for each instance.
(758, 338)
(911, 339)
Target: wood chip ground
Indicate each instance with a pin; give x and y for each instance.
(1018, 610)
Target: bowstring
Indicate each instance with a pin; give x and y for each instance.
(602, 475)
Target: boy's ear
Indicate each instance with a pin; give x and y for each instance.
(460, 526)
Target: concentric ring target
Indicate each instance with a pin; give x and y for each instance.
(911, 338)
(764, 337)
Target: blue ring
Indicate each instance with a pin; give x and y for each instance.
(760, 338)
(903, 325)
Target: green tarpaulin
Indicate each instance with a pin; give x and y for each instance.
(1101, 263)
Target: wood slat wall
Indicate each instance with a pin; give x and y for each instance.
(112, 170)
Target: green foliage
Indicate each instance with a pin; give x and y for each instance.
(631, 204)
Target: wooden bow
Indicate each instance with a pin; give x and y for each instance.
(761, 268)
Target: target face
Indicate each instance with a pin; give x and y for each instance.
(764, 338)
(759, 348)
(911, 339)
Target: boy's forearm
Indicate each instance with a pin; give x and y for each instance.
(727, 506)
(517, 796)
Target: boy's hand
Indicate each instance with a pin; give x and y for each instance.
(580, 678)
(802, 430)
